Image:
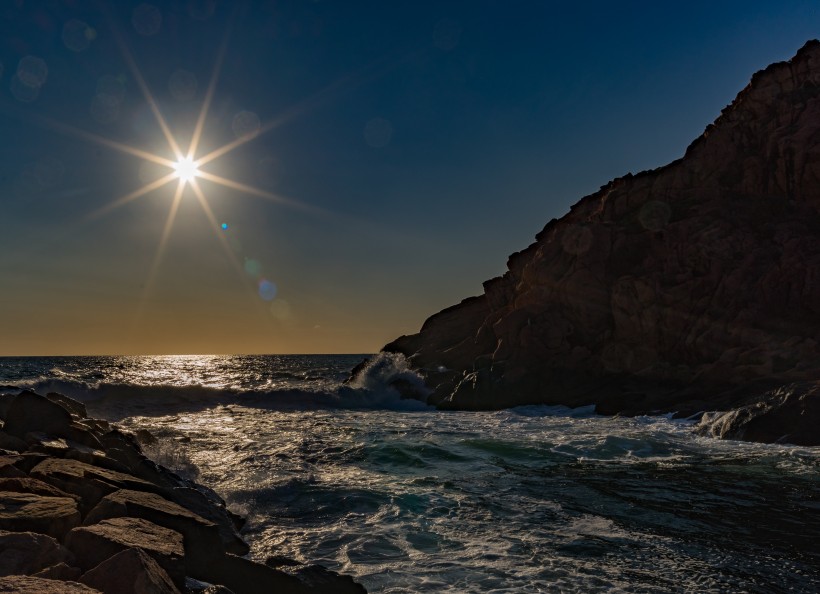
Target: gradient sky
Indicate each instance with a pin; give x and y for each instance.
(419, 143)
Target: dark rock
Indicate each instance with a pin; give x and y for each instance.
(281, 561)
(789, 414)
(61, 571)
(243, 576)
(23, 584)
(320, 580)
(665, 290)
(94, 544)
(26, 484)
(145, 437)
(8, 466)
(27, 512)
(9, 442)
(201, 538)
(32, 412)
(201, 505)
(130, 572)
(29, 552)
(89, 483)
(73, 406)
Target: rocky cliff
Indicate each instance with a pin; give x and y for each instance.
(695, 286)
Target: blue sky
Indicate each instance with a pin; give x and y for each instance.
(419, 142)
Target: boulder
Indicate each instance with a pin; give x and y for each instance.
(26, 484)
(243, 576)
(197, 502)
(320, 580)
(27, 512)
(132, 571)
(23, 584)
(94, 544)
(788, 414)
(8, 466)
(32, 412)
(28, 552)
(61, 571)
(89, 483)
(73, 406)
(201, 538)
(9, 442)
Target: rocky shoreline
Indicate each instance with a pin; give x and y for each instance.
(686, 289)
(83, 510)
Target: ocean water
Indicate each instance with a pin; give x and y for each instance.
(410, 499)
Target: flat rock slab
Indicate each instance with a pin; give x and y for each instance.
(28, 552)
(132, 571)
(27, 512)
(94, 544)
(27, 484)
(23, 584)
(61, 571)
(90, 483)
(201, 537)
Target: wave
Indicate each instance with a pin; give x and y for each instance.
(378, 387)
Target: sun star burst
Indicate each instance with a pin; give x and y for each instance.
(186, 169)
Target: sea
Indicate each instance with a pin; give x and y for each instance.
(406, 498)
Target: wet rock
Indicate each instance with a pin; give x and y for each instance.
(73, 406)
(789, 414)
(31, 412)
(21, 584)
(27, 512)
(94, 544)
(243, 576)
(130, 572)
(28, 552)
(201, 505)
(201, 538)
(320, 580)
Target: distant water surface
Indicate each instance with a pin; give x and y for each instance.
(409, 499)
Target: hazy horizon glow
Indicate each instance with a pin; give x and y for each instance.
(229, 178)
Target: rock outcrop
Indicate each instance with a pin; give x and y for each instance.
(687, 288)
(83, 510)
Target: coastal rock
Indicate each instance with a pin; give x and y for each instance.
(197, 502)
(26, 484)
(94, 544)
(28, 552)
(27, 512)
(61, 571)
(685, 286)
(31, 412)
(788, 414)
(243, 576)
(130, 572)
(201, 539)
(9, 442)
(9, 468)
(89, 483)
(22, 584)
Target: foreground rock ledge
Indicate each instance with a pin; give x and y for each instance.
(83, 510)
(693, 287)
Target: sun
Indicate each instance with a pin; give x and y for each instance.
(186, 169)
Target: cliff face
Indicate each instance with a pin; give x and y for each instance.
(666, 290)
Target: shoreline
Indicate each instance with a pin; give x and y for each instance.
(83, 505)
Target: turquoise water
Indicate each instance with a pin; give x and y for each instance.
(409, 499)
